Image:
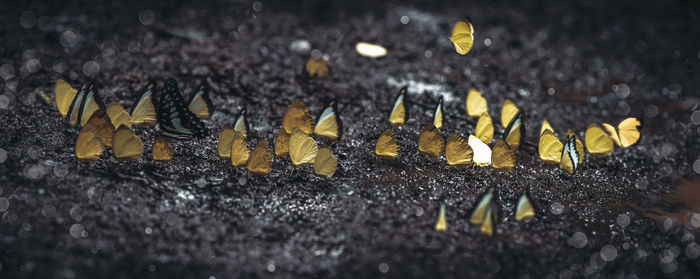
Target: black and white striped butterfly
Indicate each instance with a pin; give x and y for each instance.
(174, 118)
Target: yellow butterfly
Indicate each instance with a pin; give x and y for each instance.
(101, 125)
(64, 95)
(458, 152)
(200, 104)
(597, 141)
(325, 163)
(73, 114)
(302, 148)
(514, 133)
(328, 125)
(524, 209)
(143, 112)
(118, 115)
(88, 146)
(386, 147)
(545, 126)
(462, 36)
(241, 123)
(549, 147)
(430, 141)
(370, 50)
(441, 223)
(484, 128)
(260, 159)
(298, 116)
(317, 67)
(126, 145)
(90, 105)
(508, 112)
(399, 113)
(223, 146)
(627, 132)
(476, 104)
(503, 157)
(437, 117)
(569, 155)
(161, 151)
(482, 152)
(479, 214)
(489, 220)
(239, 150)
(282, 143)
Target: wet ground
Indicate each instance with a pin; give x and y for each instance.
(634, 214)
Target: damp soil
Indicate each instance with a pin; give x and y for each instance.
(196, 216)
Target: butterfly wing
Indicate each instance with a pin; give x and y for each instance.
(90, 105)
(458, 152)
(328, 125)
(239, 150)
(482, 152)
(317, 67)
(514, 134)
(545, 126)
(302, 148)
(398, 114)
(613, 133)
(223, 146)
(174, 119)
(282, 143)
(118, 115)
(88, 146)
(298, 116)
(479, 214)
(462, 36)
(126, 145)
(508, 111)
(502, 157)
(524, 209)
(578, 146)
(386, 146)
(628, 131)
(597, 141)
(161, 150)
(241, 124)
(260, 159)
(437, 117)
(325, 163)
(64, 95)
(102, 126)
(441, 223)
(484, 128)
(72, 118)
(550, 148)
(200, 104)
(476, 104)
(370, 50)
(569, 156)
(430, 141)
(143, 112)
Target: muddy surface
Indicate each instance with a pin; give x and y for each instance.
(622, 216)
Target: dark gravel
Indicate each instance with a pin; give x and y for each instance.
(196, 216)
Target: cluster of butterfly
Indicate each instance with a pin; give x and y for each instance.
(293, 140)
(458, 152)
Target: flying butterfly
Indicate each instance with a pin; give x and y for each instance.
(73, 114)
(441, 223)
(260, 159)
(200, 104)
(549, 147)
(569, 155)
(223, 146)
(328, 125)
(430, 141)
(143, 112)
(325, 163)
(241, 123)
(627, 132)
(316, 67)
(484, 128)
(458, 152)
(161, 151)
(101, 125)
(370, 50)
(438, 116)
(479, 215)
(482, 152)
(502, 157)
(88, 147)
(597, 141)
(546, 126)
(63, 95)
(302, 148)
(298, 116)
(399, 113)
(126, 145)
(524, 209)
(476, 104)
(514, 134)
(462, 36)
(282, 143)
(386, 147)
(176, 120)
(239, 150)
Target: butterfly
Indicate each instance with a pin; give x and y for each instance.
(161, 151)
(627, 132)
(430, 141)
(282, 143)
(483, 214)
(462, 36)
(458, 152)
(475, 104)
(325, 163)
(64, 95)
(502, 157)
(399, 114)
(298, 116)
(524, 209)
(570, 156)
(126, 145)
(239, 150)
(386, 147)
(223, 146)
(549, 147)
(90, 105)
(200, 104)
(437, 117)
(578, 146)
(241, 123)
(546, 126)
(317, 67)
(482, 152)
(328, 125)
(73, 117)
(597, 141)
(88, 146)
(174, 119)
(370, 50)
(508, 112)
(46, 97)
(514, 133)
(441, 223)
(484, 128)
(143, 112)
(102, 126)
(260, 159)
(302, 148)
